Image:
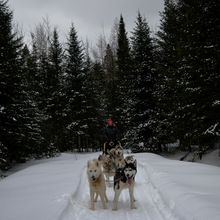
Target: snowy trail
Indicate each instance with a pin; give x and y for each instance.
(58, 189)
(149, 203)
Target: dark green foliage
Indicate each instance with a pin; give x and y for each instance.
(11, 112)
(188, 66)
(75, 91)
(54, 94)
(111, 82)
(142, 52)
(125, 81)
(95, 84)
(167, 92)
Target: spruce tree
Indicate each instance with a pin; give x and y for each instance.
(110, 72)
(32, 115)
(75, 99)
(168, 82)
(55, 99)
(11, 128)
(125, 79)
(95, 103)
(142, 52)
(200, 70)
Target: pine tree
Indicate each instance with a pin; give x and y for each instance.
(11, 128)
(168, 91)
(188, 82)
(200, 70)
(95, 90)
(142, 51)
(31, 120)
(125, 79)
(111, 78)
(55, 97)
(75, 99)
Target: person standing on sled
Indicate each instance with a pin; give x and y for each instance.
(111, 134)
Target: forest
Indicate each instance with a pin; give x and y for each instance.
(158, 87)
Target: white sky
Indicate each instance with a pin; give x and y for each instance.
(90, 17)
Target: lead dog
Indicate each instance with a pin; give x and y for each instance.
(125, 178)
(96, 183)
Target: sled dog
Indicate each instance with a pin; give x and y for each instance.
(96, 183)
(117, 153)
(125, 178)
(107, 162)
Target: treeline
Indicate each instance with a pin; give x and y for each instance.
(159, 89)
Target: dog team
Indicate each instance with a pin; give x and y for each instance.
(110, 164)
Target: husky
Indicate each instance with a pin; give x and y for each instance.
(117, 153)
(107, 162)
(96, 183)
(125, 178)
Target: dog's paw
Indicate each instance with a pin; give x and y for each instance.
(105, 207)
(114, 209)
(92, 208)
(133, 207)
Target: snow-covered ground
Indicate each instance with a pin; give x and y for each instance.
(211, 158)
(57, 189)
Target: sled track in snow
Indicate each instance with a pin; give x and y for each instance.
(150, 205)
(157, 199)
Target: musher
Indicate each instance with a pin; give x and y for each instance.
(111, 134)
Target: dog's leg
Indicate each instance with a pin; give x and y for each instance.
(115, 201)
(103, 199)
(131, 192)
(96, 196)
(106, 199)
(92, 199)
(108, 180)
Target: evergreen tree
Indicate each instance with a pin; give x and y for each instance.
(11, 128)
(168, 82)
(125, 79)
(188, 71)
(142, 51)
(75, 98)
(32, 115)
(95, 87)
(110, 72)
(200, 71)
(55, 95)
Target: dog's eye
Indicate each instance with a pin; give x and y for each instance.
(94, 170)
(90, 171)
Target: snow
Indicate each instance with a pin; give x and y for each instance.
(211, 158)
(57, 189)
(212, 130)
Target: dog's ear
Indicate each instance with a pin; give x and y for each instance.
(112, 151)
(126, 163)
(88, 163)
(100, 157)
(97, 164)
(135, 163)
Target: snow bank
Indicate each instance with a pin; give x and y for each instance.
(190, 190)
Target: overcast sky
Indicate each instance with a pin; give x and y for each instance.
(90, 17)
